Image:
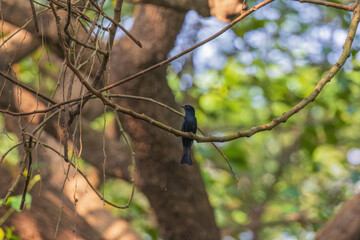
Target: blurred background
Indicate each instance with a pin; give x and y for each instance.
(291, 179)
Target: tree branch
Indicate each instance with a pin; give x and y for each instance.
(230, 25)
(201, 6)
(330, 4)
(24, 86)
(248, 133)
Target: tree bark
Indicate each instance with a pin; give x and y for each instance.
(345, 225)
(176, 193)
(85, 219)
(201, 6)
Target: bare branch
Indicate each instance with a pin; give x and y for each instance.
(34, 16)
(18, 83)
(16, 44)
(330, 4)
(201, 6)
(230, 25)
(15, 184)
(116, 23)
(87, 180)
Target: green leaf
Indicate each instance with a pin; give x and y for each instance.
(15, 201)
(240, 217)
(2, 234)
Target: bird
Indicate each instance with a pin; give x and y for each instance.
(189, 124)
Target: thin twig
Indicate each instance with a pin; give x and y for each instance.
(96, 49)
(15, 184)
(128, 142)
(150, 68)
(62, 199)
(248, 133)
(67, 57)
(99, 10)
(104, 153)
(34, 16)
(78, 13)
(86, 179)
(330, 4)
(180, 114)
(21, 28)
(73, 68)
(230, 25)
(6, 215)
(9, 150)
(144, 117)
(24, 86)
(28, 150)
(116, 22)
(276, 121)
(223, 155)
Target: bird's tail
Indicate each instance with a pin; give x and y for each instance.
(186, 156)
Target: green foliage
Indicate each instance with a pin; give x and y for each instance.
(29, 72)
(15, 201)
(138, 214)
(299, 170)
(297, 173)
(108, 8)
(98, 123)
(8, 140)
(7, 233)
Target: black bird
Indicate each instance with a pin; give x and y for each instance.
(189, 124)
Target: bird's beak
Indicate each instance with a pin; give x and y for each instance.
(183, 106)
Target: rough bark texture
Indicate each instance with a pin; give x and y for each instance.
(345, 225)
(176, 192)
(88, 220)
(12, 52)
(40, 221)
(200, 6)
(225, 10)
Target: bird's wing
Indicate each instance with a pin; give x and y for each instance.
(183, 125)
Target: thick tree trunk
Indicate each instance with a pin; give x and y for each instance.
(176, 193)
(87, 219)
(345, 225)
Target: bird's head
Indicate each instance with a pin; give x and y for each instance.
(188, 108)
